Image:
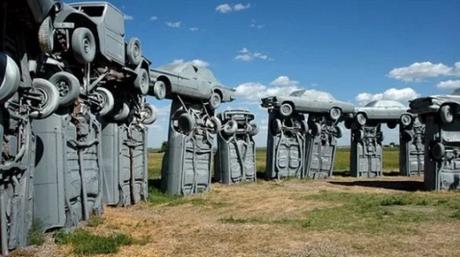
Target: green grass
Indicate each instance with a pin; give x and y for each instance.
(342, 161)
(36, 236)
(369, 212)
(86, 243)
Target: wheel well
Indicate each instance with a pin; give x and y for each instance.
(290, 103)
(167, 82)
(219, 92)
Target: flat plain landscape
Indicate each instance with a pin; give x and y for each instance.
(342, 216)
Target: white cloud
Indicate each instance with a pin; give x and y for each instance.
(401, 95)
(226, 8)
(194, 29)
(197, 62)
(246, 56)
(449, 84)
(241, 7)
(175, 24)
(255, 25)
(153, 18)
(253, 91)
(128, 17)
(420, 70)
(283, 81)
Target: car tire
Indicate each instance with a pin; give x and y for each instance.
(134, 52)
(437, 151)
(68, 87)
(338, 133)
(446, 114)
(286, 109)
(159, 90)
(276, 126)
(108, 101)
(10, 77)
(186, 123)
(361, 119)
(46, 35)
(254, 129)
(149, 114)
(215, 125)
(215, 100)
(348, 123)
(83, 45)
(49, 96)
(406, 120)
(142, 81)
(122, 113)
(230, 127)
(335, 113)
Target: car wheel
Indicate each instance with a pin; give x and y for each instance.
(83, 45)
(142, 81)
(68, 87)
(215, 100)
(406, 120)
(214, 124)
(361, 119)
(230, 127)
(159, 90)
(335, 113)
(49, 98)
(392, 125)
(10, 77)
(446, 114)
(149, 114)
(122, 113)
(286, 109)
(46, 35)
(134, 51)
(254, 129)
(186, 123)
(276, 126)
(348, 123)
(107, 101)
(338, 132)
(437, 151)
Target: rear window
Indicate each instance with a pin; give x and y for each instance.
(93, 11)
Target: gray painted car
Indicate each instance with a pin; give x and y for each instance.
(189, 81)
(299, 103)
(382, 111)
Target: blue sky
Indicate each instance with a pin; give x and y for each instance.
(355, 50)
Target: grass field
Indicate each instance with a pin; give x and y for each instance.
(343, 216)
(342, 162)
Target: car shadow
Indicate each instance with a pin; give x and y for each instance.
(407, 185)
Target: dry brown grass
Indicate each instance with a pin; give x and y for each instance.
(261, 220)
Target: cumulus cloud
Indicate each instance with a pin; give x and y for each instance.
(418, 71)
(174, 24)
(226, 8)
(196, 62)
(246, 56)
(281, 86)
(283, 81)
(449, 84)
(128, 17)
(401, 95)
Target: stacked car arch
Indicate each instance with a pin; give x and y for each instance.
(72, 89)
(74, 119)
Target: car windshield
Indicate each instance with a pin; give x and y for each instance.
(298, 93)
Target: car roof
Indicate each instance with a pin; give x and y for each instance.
(189, 70)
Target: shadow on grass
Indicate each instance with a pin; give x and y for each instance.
(155, 184)
(410, 186)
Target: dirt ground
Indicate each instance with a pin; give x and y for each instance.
(198, 226)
